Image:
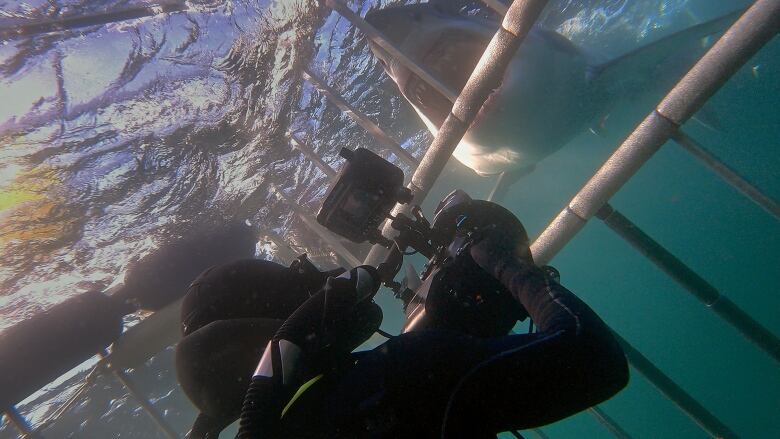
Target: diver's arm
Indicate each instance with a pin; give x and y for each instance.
(310, 329)
(573, 362)
(552, 307)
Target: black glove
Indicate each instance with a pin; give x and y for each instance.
(323, 318)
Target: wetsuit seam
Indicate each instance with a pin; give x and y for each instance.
(557, 300)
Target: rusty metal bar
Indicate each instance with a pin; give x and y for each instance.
(726, 173)
(688, 279)
(374, 35)
(310, 154)
(360, 118)
(751, 31)
(486, 77)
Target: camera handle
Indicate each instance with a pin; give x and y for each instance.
(414, 232)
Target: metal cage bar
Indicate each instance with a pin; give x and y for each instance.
(486, 77)
(145, 404)
(741, 41)
(726, 173)
(377, 38)
(685, 402)
(310, 154)
(48, 25)
(321, 231)
(610, 423)
(379, 134)
(540, 434)
(688, 279)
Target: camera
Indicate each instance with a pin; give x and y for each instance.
(366, 190)
(455, 293)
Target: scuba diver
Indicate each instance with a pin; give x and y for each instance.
(450, 374)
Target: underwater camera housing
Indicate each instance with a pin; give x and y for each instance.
(367, 188)
(455, 292)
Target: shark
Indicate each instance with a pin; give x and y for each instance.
(551, 91)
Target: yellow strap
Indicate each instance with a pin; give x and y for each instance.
(298, 394)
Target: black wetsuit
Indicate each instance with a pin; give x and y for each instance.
(228, 315)
(446, 384)
(438, 383)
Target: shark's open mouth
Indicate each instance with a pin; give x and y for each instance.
(451, 59)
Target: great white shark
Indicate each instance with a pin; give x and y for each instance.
(552, 89)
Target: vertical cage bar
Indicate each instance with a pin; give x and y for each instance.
(483, 81)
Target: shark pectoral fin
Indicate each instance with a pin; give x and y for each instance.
(505, 180)
(648, 57)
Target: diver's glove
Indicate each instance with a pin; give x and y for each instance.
(321, 320)
(336, 319)
(512, 264)
(493, 253)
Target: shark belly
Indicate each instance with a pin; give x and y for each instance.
(483, 159)
(542, 103)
